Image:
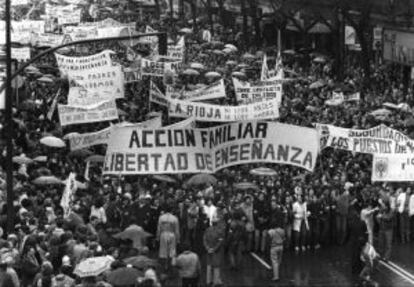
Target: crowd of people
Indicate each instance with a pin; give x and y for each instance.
(181, 225)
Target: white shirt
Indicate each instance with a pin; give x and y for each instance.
(211, 212)
(411, 206)
(99, 213)
(400, 202)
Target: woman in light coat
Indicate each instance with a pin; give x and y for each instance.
(300, 223)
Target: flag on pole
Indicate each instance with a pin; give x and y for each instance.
(67, 197)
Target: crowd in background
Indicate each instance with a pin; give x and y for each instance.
(294, 211)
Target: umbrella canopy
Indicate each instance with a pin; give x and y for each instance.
(22, 159)
(186, 31)
(245, 186)
(212, 74)
(40, 158)
(218, 52)
(135, 233)
(53, 142)
(381, 112)
(238, 74)
(47, 180)
(231, 63)
(141, 262)
(263, 171)
(197, 66)
(201, 179)
(95, 158)
(317, 85)
(164, 178)
(45, 79)
(289, 52)
(124, 276)
(404, 107)
(80, 153)
(43, 171)
(390, 105)
(319, 60)
(191, 72)
(248, 56)
(93, 266)
(231, 47)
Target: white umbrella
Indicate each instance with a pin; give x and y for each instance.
(22, 159)
(319, 60)
(289, 52)
(53, 142)
(197, 66)
(93, 266)
(186, 31)
(227, 51)
(47, 180)
(263, 171)
(381, 113)
(238, 74)
(231, 47)
(248, 56)
(316, 85)
(45, 80)
(231, 63)
(390, 106)
(41, 158)
(212, 75)
(404, 107)
(191, 72)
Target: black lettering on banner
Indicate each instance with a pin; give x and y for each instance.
(134, 140)
(169, 162)
(182, 161)
(145, 135)
(119, 162)
(248, 130)
(158, 134)
(308, 160)
(143, 162)
(129, 162)
(204, 138)
(269, 151)
(178, 138)
(200, 164)
(297, 151)
(234, 155)
(244, 151)
(261, 130)
(283, 152)
(190, 138)
(156, 157)
(257, 149)
(209, 162)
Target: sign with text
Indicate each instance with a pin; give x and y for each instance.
(393, 167)
(214, 91)
(247, 93)
(73, 65)
(71, 115)
(377, 140)
(157, 151)
(214, 113)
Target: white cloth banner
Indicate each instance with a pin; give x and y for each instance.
(69, 17)
(46, 39)
(377, 140)
(214, 113)
(80, 141)
(339, 98)
(21, 30)
(78, 33)
(246, 93)
(67, 197)
(19, 2)
(157, 151)
(96, 85)
(393, 167)
(272, 75)
(73, 65)
(157, 69)
(156, 96)
(216, 90)
(70, 115)
(21, 54)
(176, 52)
(184, 124)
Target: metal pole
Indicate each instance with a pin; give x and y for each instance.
(9, 124)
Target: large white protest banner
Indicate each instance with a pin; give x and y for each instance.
(216, 90)
(176, 52)
(246, 93)
(80, 141)
(157, 69)
(46, 39)
(157, 151)
(73, 65)
(96, 85)
(184, 124)
(214, 113)
(78, 33)
(21, 30)
(377, 140)
(65, 17)
(395, 167)
(70, 115)
(338, 98)
(156, 96)
(21, 54)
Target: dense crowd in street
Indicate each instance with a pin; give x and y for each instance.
(173, 224)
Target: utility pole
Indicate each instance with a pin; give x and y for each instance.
(9, 124)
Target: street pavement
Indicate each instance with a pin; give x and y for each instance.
(329, 266)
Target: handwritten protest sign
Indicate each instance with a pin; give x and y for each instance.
(70, 115)
(74, 65)
(393, 167)
(216, 90)
(156, 151)
(247, 93)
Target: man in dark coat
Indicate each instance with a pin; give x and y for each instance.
(358, 236)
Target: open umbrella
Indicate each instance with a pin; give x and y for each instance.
(186, 31)
(390, 106)
(40, 158)
(248, 56)
(316, 85)
(381, 113)
(404, 107)
(212, 75)
(164, 178)
(201, 179)
(22, 159)
(263, 171)
(80, 153)
(45, 80)
(43, 171)
(53, 142)
(320, 60)
(238, 74)
(141, 262)
(231, 63)
(124, 276)
(135, 233)
(47, 180)
(197, 66)
(289, 52)
(93, 266)
(217, 52)
(245, 186)
(95, 158)
(231, 47)
(227, 51)
(191, 72)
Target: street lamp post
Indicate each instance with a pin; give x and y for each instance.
(162, 46)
